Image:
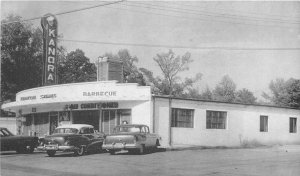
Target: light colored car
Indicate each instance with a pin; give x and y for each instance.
(77, 138)
(133, 138)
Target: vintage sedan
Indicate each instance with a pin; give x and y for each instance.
(20, 144)
(76, 138)
(133, 138)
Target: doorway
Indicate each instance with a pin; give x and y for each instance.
(87, 117)
(53, 121)
(114, 117)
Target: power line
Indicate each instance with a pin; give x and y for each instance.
(182, 47)
(201, 14)
(192, 18)
(234, 10)
(62, 13)
(222, 15)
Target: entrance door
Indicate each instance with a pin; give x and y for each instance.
(113, 117)
(53, 121)
(109, 121)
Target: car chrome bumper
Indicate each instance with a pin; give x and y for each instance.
(57, 148)
(120, 146)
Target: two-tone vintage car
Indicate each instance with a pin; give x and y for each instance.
(131, 137)
(20, 144)
(76, 138)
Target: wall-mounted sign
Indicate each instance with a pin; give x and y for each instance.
(48, 96)
(49, 25)
(92, 106)
(28, 98)
(44, 96)
(100, 93)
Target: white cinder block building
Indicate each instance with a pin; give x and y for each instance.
(105, 104)
(208, 123)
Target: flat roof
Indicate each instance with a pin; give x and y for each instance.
(214, 101)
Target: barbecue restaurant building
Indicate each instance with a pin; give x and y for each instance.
(105, 104)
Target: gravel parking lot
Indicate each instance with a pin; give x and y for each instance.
(279, 160)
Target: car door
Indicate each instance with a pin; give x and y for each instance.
(94, 139)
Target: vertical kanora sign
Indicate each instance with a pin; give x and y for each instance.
(49, 25)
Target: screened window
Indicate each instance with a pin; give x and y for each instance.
(263, 124)
(182, 118)
(293, 125)
(216, 119)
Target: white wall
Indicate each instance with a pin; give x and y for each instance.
(161, 116)
(141, 113)
(242, 126)
(9, 123)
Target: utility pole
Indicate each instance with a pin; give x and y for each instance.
(170, 113)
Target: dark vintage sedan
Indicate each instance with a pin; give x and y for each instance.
(76, 138)
(20, 144)
(133, 138)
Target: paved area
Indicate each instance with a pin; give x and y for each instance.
(274, 161)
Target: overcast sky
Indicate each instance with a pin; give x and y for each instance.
(189, 25)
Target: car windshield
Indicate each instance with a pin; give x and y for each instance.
(5, 132)
(126, 129)
(65, 130)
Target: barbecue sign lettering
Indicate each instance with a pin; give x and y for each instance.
(49, 25)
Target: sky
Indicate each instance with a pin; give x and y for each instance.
(202, 28)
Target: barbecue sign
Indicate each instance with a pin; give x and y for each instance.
(49, 25)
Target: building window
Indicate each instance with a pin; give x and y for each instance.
(293, 125)
(216, 119)
(182, 118)
(263, 124)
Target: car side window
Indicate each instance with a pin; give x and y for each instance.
(1, 133)
(4, 133)
(144, 129)
(84, 131)
(92, 131)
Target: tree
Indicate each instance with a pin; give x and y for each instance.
(245, 96)
(76, 67)
(170, 66)
(206, 94)
(284, 93)
(21, 57)
(186, 88)
(225, 90)
(131, 73)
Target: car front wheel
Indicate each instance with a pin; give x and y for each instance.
(51, 153)
(112, 152)
(80, 151)
(30, 149)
